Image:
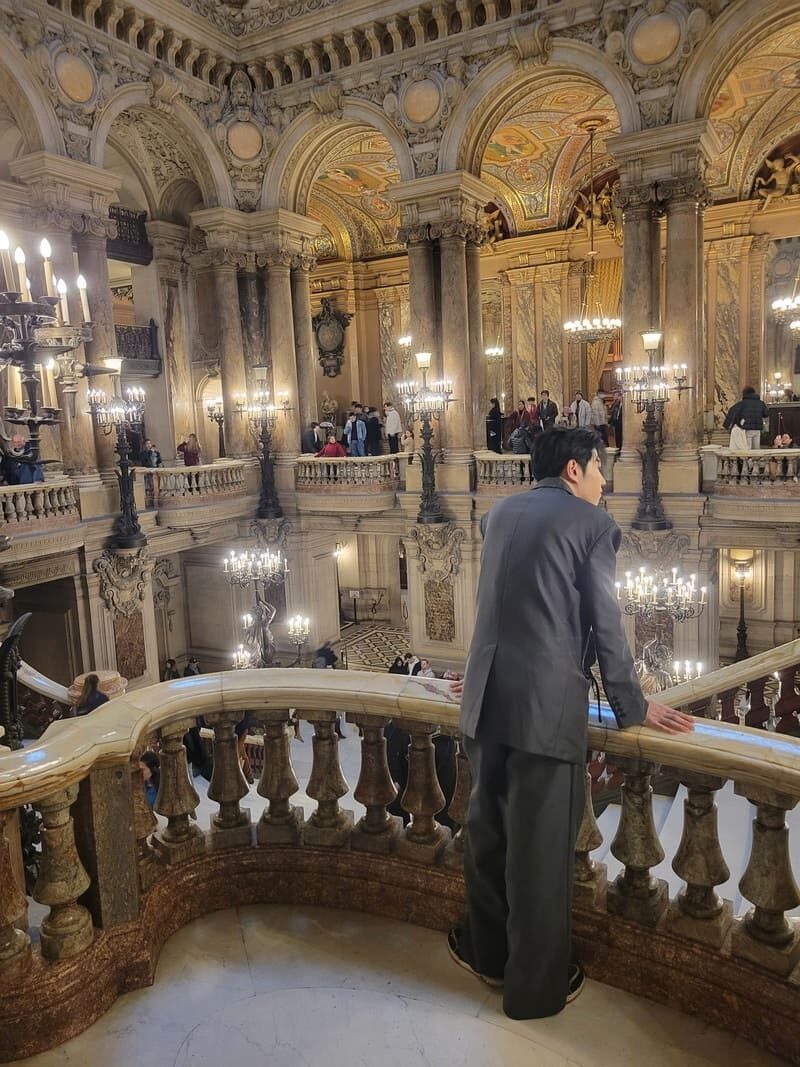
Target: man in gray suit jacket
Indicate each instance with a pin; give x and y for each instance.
(546, 608)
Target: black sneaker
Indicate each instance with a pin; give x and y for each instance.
(453, 938)
(574, 982)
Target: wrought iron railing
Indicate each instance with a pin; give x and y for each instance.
(138, 342)
(131, 245)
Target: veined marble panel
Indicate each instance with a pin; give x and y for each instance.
(525, 349)
(552, 364)
(176, 359)
(726, 337)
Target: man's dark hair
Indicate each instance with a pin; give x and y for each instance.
(748, 391)
(531, 399)
(545, 392)
(579, 393)
(558, 445)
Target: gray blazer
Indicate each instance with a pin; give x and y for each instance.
(546, 609)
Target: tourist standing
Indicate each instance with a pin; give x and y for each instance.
(548, 410)
(394, 426)
(494, 426)
(189, 448)
(580, 411)
(600, 416)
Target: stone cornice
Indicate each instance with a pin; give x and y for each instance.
(458, 197)
(667, 152)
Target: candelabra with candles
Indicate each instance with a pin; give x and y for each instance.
(34, 332)
(262, 416)
(122, 415)
(299, 629)
(649, 388)
(425, 403)
(774, 391)
(262, 571)
(216, 414)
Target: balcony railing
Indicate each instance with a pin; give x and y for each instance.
(138, 342)
(348, 474)
(131, 245)
(506, 472)
(773, 472)
(39, 506)
(176, 487)
(116, 888)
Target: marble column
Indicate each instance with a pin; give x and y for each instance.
(641, 296)
(307, 367)
(422, 294)
(282, 347)
(77, 438)
(477, 356)
(93, 265)
(457, 432)
(684, 324)
(231, 349)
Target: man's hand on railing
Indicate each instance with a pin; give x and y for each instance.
(456, 689)
(668, 720)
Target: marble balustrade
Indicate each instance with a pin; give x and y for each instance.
(117, 880)
(507, 472)
(772, 471)
(347, 473)
(174, 487)
(39, 505)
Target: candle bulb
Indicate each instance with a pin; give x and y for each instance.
(46, 252)
(81, 283)
(62, 301)
(22, 276)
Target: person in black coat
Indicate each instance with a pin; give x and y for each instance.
(494, 427)
(192, 667)
(373, 441)
(91, 696)
(749, 413)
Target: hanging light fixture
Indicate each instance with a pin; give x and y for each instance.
(593, 325)
(786, 308)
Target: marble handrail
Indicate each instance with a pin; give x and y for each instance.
(40, 683)
(346, 473)
(131, 874)
(729, 470)
(38, 504)
(508, 470)
(167, 487)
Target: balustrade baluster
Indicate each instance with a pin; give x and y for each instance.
(9, 511)
(177, 799)
(67, 929)
(280, 823)
(760, 710)
(787, 706)
(457, 809)
(376, 831)
(20, 504)
(589, 877)
(231, 824)
(329, 826)
(636, 894)
(765, 936)
(699, 912)
(423, 839)
(36, 505)
(15, 945)
(144, 823)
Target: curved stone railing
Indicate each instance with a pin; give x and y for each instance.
(118, 881)
(175, 487)
(41, 505)
(507, 472)
(762, 471)
(347, 474)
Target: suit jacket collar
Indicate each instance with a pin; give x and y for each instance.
(553, 483)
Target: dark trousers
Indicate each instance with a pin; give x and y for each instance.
(523, 819)
(394, 443)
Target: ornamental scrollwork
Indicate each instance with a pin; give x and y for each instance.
(653, 549)
(329, 326)
(439, 550)
(123, 579)
(271, 534)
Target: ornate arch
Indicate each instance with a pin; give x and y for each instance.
(484, 100)
(299, 148)
(37, 119)
(183, 127)
(733, 37)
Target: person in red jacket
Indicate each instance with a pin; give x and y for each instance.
(332, 449)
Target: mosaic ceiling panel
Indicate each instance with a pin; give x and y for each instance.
(757, 107)
(349, 187)
(536, 157)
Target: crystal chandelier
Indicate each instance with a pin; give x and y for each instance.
(786, 308)
(592, 325)
(242, 568)
(661, 596)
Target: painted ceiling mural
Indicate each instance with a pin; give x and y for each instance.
(349, 187)
(757, 107)
(536, 156)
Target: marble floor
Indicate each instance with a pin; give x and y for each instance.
(311, 987)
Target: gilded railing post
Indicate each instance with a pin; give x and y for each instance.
(280, 823)
(589, 878)
(423, 839)
(765, 936)
(699, 912)
(454, 853)
(636, 894)
(15, 945)
(177, 799)
(328, 826)
(67, 928)
(230, 826)
(376, 831)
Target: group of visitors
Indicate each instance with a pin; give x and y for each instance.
(531, 418)
(188, 450)
(171, 669)
(362, 434)
(410, 663)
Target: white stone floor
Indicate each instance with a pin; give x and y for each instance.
(310, 987)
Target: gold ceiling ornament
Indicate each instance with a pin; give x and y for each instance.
(593, 325)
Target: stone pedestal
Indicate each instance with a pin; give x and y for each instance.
(286, 832)
(423, 851)
(712, 932)
(329, 836)
(378, 844)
